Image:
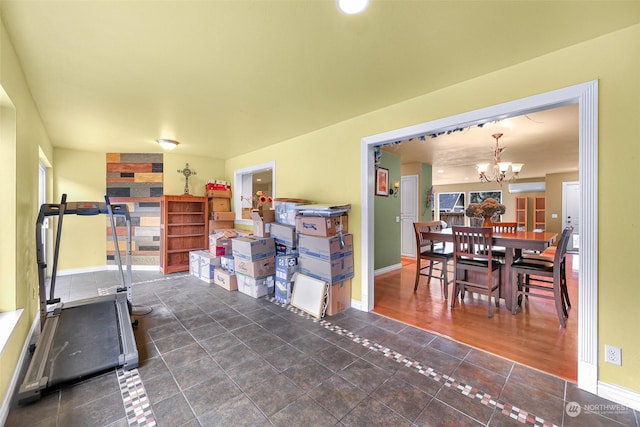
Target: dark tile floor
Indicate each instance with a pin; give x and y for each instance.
(209, 357)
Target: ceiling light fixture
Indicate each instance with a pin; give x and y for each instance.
(167, 144)
(502, 171)
(352, 7)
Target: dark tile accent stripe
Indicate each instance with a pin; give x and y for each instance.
(507, 409)
(135, 399)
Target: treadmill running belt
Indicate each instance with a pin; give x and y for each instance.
(86, 341)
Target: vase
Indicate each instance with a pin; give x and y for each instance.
(487, 221)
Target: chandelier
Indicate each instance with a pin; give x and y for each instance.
(500, 171)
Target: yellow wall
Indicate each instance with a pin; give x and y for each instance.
(21, 190)
(325, 165)
(82, 176)
(554, 199)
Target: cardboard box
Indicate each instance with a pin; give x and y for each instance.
(256, 288)
(226, 262)
(194, 262)
(219, 246)
(208, 264)
(284, 234)
(225, 279)
(286, 266)
(220, 225)
(329, 271)
(282, 249)
(283, 290)
(286, 211)
(219, 194)
(261, 221)
(339, 298)
(253, 248)
(322, 226)
(223, 216)
(261, 268)
(326, 248)
(219, 204)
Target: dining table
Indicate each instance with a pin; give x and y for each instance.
(514, 243)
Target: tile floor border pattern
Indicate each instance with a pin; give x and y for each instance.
(135, 399)
(506, 408)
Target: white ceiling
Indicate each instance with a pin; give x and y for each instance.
(228, 77)
(545, 141)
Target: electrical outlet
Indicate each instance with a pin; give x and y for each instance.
(613, 355)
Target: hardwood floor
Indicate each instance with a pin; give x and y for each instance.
(532, 337)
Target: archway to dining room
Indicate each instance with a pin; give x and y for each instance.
(460, 324)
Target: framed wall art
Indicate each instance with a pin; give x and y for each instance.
(382, 182)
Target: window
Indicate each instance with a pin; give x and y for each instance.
(481, 196)
(249, 180)
(451, 208)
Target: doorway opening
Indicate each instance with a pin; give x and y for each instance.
(585, 95)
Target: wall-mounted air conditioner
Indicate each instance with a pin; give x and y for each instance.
(527, 187)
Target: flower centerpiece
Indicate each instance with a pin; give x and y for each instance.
(488, 208)
(258, 200)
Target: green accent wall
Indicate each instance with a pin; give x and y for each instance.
(386, 209)
(425, 184)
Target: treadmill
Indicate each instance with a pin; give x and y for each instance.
(83, 337)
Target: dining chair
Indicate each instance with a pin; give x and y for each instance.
(499, 252)
(544, 278)
(467, 258)
(435, 252)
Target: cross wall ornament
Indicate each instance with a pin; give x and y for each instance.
(187, 172)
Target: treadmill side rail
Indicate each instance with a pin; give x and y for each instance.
(34, 380)
(129, 351)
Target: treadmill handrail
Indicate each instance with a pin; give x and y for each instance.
(81, 209)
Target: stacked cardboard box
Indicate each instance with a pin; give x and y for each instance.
(220, 215)
(254, 263)
(262, 222)
(326, 253)
(286, 210)
(202, 265)
(286, 268)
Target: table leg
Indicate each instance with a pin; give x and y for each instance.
(508, 286)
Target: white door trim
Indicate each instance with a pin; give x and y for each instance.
(586, 96)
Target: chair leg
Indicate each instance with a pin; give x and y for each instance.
(418, 265)
(445, 279)
(557, 293)
(517, 295)
(497, 297)
(563, 273)
(456, 288)
(489, 295)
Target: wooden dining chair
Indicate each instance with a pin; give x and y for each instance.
(543, 277)
(435, 252)
(467, 258)
(499, 252)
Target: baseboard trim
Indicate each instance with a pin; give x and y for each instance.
(387, 269)
(96, 268)
(6, 403)
(621, 395)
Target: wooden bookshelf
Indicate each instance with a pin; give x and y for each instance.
(522, 211)
(183, 228)
(539, 213)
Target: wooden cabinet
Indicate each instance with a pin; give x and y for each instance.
(539, 213)
(183, 228)
(522, 210)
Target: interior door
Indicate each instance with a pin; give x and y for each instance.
(408, 214)
(571, 212)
